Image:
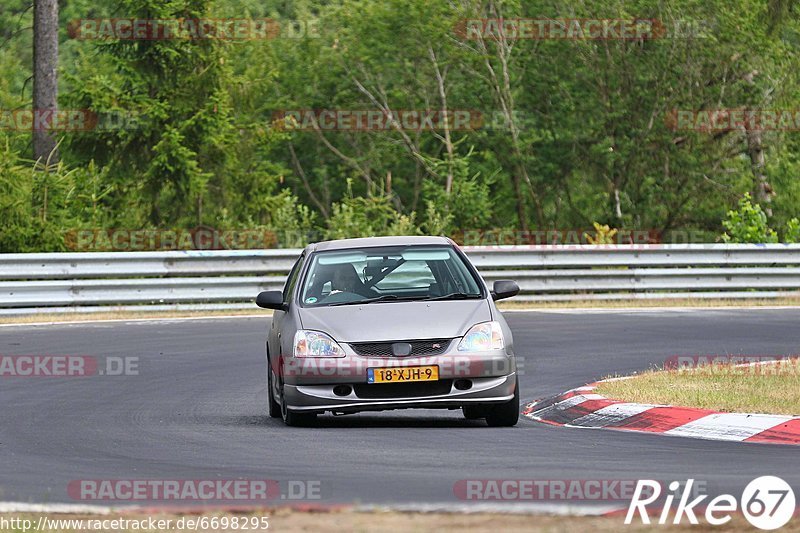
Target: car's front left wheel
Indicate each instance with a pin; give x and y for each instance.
(505, 414)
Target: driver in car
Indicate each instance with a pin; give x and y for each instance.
(345, 279)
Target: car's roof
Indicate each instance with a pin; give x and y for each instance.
(344, 244)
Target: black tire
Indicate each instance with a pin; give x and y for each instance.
(505, 414)
(274, 407)
(294, 418)
(475, 412)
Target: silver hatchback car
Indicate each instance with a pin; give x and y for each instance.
(389, 323)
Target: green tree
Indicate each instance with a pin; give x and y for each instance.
(748, 224)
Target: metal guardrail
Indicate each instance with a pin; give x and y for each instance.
(87, 282)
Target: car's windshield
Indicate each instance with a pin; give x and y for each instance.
(386, 274)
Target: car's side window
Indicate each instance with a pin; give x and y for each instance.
(291, 281)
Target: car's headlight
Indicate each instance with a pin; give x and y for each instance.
(315, 344)
(483, 337)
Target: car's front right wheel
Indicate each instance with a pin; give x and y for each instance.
(274, 406)
(475, 412)
(505, 414)
(292, 417)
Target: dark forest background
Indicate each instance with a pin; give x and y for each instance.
(577, 131)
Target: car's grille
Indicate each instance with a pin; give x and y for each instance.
(418, 347)
(403, 390)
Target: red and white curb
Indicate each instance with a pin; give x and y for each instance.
(583, 408)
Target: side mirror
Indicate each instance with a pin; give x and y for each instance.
(271, 300)
(504, 288)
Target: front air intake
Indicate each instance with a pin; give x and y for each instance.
(418, 347)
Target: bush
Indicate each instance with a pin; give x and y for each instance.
(468, 207)
(292, 223)
(603, 234)
(748, 224)
(792, 234)
(368, 216)
(38, 208)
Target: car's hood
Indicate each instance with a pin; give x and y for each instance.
(396, 320)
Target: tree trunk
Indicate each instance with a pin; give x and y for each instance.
(755, 151)
(45, 77)
(448, 143)
(520, 203)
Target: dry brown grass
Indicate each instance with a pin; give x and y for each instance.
(510, 305)
(767, 388)
(293, 521)
(128, 315)
(660, 303)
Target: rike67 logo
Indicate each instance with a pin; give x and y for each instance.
(768, 503)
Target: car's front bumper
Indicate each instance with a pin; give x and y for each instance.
(445, 395)
(314, 384)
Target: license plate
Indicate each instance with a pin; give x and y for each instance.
(403, 374)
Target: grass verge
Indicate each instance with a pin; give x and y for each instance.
(127, 315)
(640, 303)
(764, 388)
(291, 521)
(508, 305)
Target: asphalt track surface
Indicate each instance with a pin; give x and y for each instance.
(196, 410)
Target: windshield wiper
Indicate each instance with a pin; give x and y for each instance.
(384, 298)
(454, 296)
